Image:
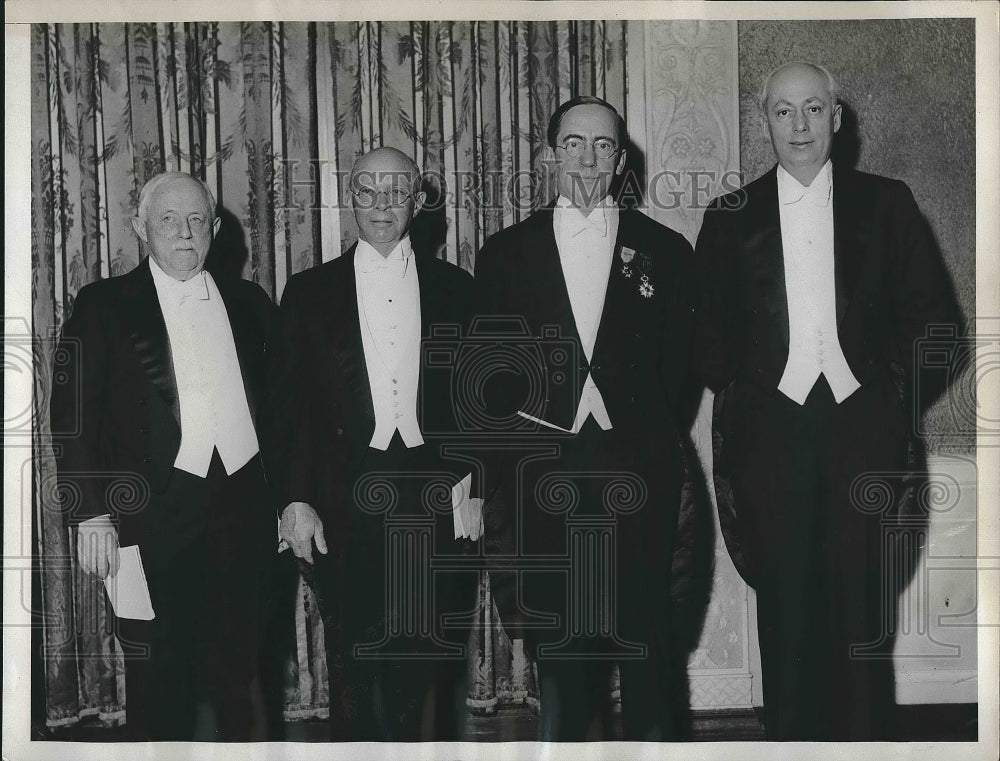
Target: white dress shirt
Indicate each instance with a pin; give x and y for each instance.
(213, 402)
(586, 249)
(807, 242)
(389, 312)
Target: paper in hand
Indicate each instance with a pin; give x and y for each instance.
(128, 591)
(466, 511)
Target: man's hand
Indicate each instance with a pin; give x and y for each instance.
(300, 526)
(97, 547)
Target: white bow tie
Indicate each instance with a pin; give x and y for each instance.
(597, 221)
(818, 194)
(395, 266)
(196, 288)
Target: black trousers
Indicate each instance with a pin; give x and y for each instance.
(613, 513)
(397, 672)
(822, 598)
(207, 546)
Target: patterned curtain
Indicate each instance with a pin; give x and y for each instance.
(272, 116)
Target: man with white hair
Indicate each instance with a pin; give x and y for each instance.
(163, 388)
(816, 282)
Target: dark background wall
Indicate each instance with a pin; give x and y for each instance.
(908, 89)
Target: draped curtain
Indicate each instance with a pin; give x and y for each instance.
(272, 116)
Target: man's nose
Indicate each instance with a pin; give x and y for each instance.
(799, 122)
(382, 199)
(185, 229)
(589, 155)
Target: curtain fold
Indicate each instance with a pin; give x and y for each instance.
(272, 116)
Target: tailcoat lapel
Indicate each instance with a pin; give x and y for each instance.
(763, 241)
(241, 322)
(620, 288)
(851, 233)
(548, 279)
(344, 328)
(149, 335)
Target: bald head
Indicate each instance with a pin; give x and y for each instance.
(384, 161)
(798, 68)
(800, 105)
(385, 194)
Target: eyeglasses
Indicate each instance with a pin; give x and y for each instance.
(367, 198)
(575, 146)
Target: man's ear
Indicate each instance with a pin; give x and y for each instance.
(620, 167)
(216, 225)
(139, 225)
(419, 199)
(838, 111)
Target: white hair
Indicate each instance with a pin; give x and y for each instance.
(154, 184)
(831, 83)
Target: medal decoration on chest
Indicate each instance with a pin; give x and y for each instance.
(628, 254)
(644, 265)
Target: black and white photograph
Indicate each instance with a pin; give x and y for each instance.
(446, 381)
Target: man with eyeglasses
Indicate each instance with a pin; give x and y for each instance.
(606, 292)
(164, 385)
(358, 421)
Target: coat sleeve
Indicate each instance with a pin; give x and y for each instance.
(79, 394)
(289, 417)
(716, 347)
(679, 354)
(499, 519)
(715, 303)
(921, 300)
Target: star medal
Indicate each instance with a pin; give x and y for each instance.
(626, 271)
(646, 288)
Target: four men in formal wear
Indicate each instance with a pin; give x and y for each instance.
(816, 281)
(606, 292)
(164, 384)
(359, 425)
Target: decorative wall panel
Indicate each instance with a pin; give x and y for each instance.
(687, 128)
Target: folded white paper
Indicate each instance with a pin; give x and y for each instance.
(128, 591)
(466, 511)
(458, 496)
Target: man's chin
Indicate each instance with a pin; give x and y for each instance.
(184, 263)
(588, 196)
